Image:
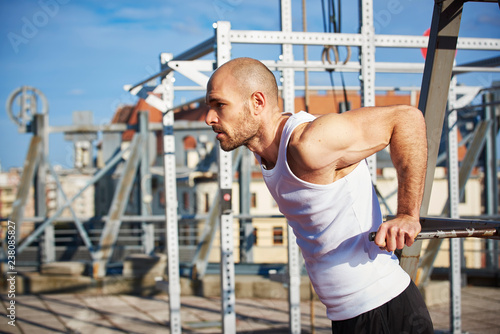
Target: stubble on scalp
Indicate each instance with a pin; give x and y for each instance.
(251, 76)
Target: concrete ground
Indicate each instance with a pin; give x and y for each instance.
(96, 314)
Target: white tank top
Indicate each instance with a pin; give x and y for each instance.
(350, 274)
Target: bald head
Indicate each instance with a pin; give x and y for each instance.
(250, 76)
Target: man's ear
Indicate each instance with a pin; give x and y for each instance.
(258, 101)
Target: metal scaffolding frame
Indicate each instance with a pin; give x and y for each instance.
(439, 61)
(438, 70)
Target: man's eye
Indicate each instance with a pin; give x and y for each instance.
(220, 105)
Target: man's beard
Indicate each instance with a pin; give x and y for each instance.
(245, 131)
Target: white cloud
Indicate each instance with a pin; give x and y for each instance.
(76, 92)
(140, 14)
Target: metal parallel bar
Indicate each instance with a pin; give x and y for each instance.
(451, 233)
(288, 96)
(228, 313)
(96, 177)
(435, 85)
(118, 204)
(431, 224)
(171, 204)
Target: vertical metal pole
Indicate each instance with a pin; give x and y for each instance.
(48, 241)
(170, 183)
(28, 175)
(367, 74)
(435, 86)
(436, 80)
(454, 200)
(246, 228)
(288, 95)
(223, 54)
(306, 56)
(490, 176)
(111, 228)
(145, 196)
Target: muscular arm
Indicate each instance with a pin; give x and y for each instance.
(325, 147)
(408, 147)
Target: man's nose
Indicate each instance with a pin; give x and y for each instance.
(211, 117)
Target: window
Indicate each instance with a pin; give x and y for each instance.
(185, 199)
(277, 235)
(254, 236)
(162, 198)
(207, 202)
(253, 200)
(189, 143)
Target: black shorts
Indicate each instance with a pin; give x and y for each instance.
(405, 313)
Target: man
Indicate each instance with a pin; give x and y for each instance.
(316, 171)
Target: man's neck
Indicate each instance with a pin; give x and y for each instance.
(269, 150)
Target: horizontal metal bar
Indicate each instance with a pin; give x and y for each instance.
(198, 50)
(380, 67)
(464, 43)
(195, 52)
(89, 128)
(200, 100)
(297, 38)
(468, 69)
(123, 127)
(320, 38)
(494, 1)
(494, 61)
(150, 218)
(329, 87)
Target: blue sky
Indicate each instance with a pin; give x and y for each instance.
(81, 53)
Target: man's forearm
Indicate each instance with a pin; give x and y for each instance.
(409, 155)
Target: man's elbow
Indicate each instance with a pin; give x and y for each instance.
(414, 118)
